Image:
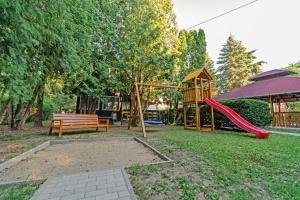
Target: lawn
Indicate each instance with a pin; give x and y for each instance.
(222, 165)
(219, 165)
(18, 192)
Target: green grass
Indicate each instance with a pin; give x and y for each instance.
(219, 165)
(234, 165)
(17, 192)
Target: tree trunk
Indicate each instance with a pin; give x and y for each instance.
(1, 96)
(22, 121)
(11, 116)
(4, 110)
(39, 115)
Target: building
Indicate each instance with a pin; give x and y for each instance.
(275, 87)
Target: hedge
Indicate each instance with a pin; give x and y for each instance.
(257, 112)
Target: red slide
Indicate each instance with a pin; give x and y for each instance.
(238, 120)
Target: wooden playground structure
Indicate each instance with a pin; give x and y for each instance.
(196, 87)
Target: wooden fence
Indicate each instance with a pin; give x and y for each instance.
(286, 119)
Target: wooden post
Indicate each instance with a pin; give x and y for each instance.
(210, 90)
(279, 110)
(201, 86)
(184, 116)
(272, 111)
(212, 116)
(140, 110)
(132, 101)
(197, 109)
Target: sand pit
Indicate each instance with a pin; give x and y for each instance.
(74, 157)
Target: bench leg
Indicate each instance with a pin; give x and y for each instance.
(60, 133)
(60, 130)
(51, 127)
(50, 131)
(97, 129)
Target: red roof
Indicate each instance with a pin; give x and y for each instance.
(264, 88)
(271, 74)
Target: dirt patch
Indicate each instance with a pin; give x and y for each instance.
(61, 159)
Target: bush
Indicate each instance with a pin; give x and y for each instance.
(48, 110)
(257, 112)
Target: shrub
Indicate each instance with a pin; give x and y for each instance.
(257, 112)
(48, 110)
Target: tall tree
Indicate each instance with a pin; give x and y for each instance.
(236, 65)
(41, 40)
(209, 65)
(192, 48)
(201, 44)
(182, 59)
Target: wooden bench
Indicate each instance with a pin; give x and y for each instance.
(76, 121)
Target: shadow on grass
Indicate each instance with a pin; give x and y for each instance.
(235, 133)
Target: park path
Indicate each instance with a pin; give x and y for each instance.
(98, 185)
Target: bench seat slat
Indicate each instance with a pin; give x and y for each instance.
(80, 126)
(70, 124)
(78, 120)
(58, 118)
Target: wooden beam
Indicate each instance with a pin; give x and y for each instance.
(140, 110)
(159, 86)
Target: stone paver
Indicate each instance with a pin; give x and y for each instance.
(98, 185)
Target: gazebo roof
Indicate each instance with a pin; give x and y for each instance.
(265, 88)
(271, 74)
(196, 74)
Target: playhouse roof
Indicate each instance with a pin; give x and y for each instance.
(279, 86)
(196, 74)
(271, 74)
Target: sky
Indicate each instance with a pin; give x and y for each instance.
(272, 27)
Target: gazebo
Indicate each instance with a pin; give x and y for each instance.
(275, 87)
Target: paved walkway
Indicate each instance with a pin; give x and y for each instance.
(99, 185)
(285, 133)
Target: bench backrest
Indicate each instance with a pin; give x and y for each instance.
(75, 119)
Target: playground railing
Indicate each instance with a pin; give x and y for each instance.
(286, 119)
(189, 95)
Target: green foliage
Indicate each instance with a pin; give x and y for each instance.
(17, 192)
(48, 109)
(237, 65)
(188, 190)
(209, 65)
(44, 40)
(139, 39)
(295, 67)
(192, 48)
(256, 112)
(294, 107)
